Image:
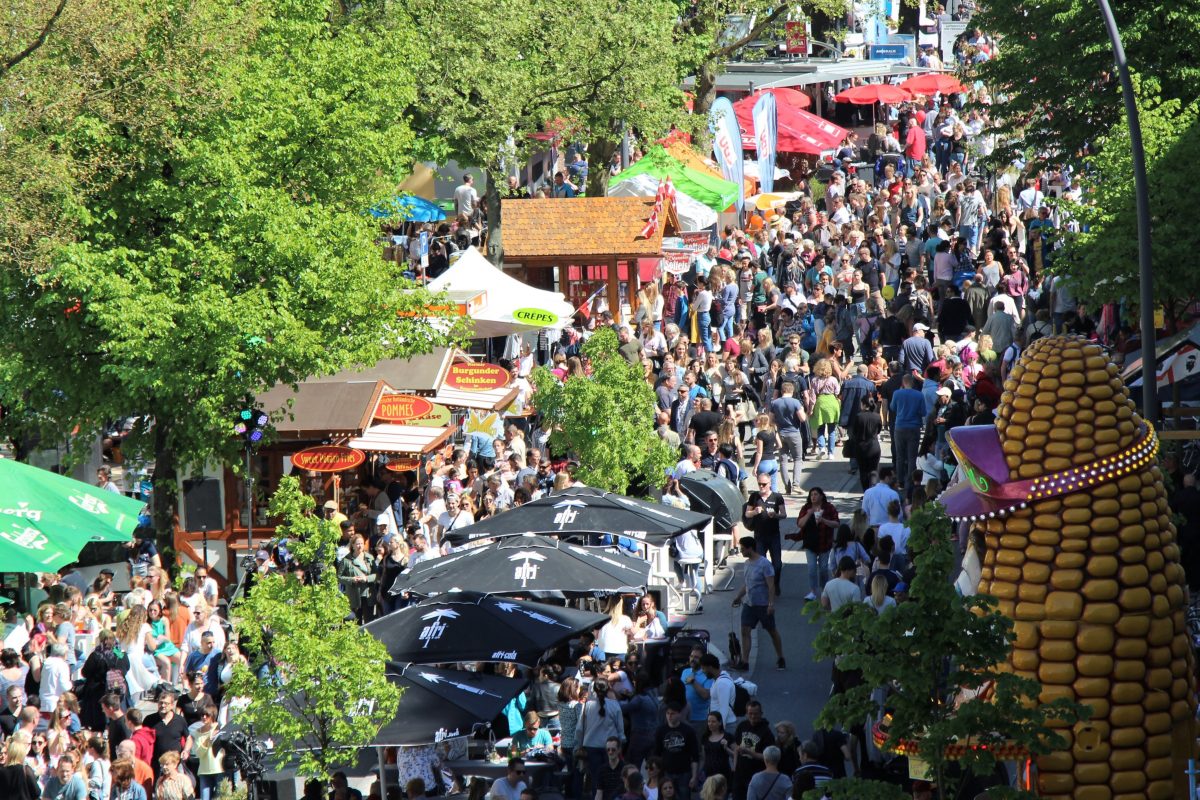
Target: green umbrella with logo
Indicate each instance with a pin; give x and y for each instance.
(46, 518)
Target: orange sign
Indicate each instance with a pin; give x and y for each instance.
(402, 407)
(330, 458)
(403, 464)
(476, 377)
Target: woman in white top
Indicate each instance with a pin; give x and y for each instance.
(134, 636)
(614, 635)
(202, 620)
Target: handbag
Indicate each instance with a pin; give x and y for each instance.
(850, 449)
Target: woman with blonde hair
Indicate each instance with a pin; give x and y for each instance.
(878, 600)
(172, 784)
(828, 409)
(716, 787)
(613, 637)
(137, 642)
(17, 779)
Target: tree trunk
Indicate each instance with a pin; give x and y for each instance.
(705, 89)
(491, 202)
(599, 155)
(166, 493)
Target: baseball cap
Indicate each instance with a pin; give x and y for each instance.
(920, 326)
(262, 555)
(944, 391)
(332, 506)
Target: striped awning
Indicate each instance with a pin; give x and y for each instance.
(490, 400)
(410, 439)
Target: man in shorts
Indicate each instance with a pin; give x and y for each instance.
(759, 609)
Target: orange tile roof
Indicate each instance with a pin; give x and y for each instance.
(581, 226)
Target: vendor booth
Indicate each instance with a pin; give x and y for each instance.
(585, 244)
(693, 215)
(508, 305)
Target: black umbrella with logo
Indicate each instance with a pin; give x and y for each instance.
(533, 566)
(435, 704)
(469, 626)
(583, 510)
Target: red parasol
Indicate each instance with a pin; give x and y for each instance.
(799, 130)
(871, 93)
(934, 83)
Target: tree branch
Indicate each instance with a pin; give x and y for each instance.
(752, 34)
(36, 43)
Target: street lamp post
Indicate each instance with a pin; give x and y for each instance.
(1142, 194)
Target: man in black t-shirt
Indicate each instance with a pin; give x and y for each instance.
(14, 702)
(704, 421)
(170, 729)
(679, 748)
(750, 738)
(117, 727)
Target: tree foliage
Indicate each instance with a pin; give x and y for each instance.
(1054, 87)
(1101, 261)
(515, 67)
(182, 188)
(322, 691)
(937, 652)
(707, 45)
(607, 420)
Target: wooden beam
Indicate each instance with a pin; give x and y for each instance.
(614, 293)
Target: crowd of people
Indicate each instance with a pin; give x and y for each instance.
(873, 310)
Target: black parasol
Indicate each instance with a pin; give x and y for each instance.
(469, 626)
(715, 495)
(534, 566)
(583, 510)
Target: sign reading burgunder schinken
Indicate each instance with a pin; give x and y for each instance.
(476, 377)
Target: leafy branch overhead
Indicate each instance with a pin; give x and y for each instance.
(321, 691)
(944, 657)
(606, 421)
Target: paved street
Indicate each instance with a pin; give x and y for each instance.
(798, 693)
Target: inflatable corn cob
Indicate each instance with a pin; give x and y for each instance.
(1081, 554)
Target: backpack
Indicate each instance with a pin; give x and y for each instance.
(743, 691)
(114, 682)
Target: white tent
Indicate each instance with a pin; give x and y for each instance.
(693, 215)
(510, 306)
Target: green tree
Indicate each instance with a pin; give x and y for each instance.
(929, 650)
(1053, 85)
(204, 191)
(606, 420)
(703, 33)
(517, 66)
(1100, 260)
(323, 692)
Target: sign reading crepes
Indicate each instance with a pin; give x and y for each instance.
(535, 316)
(329, 458)
(403, 464)
(402, 407)
(476, 377)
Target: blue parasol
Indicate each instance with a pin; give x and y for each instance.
(409, 208)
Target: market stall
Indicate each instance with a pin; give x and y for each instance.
(585, 244)
(509, 306)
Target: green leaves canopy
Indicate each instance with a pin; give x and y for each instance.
(182, 188)
(606, 420)
(325, 692)
(1054, 86)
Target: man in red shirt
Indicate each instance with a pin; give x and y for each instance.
(914, 145)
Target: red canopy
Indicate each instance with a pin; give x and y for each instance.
(799, 131)
(871, 93)
(933, 83)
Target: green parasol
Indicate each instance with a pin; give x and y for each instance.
(716, 193)
(46, 518)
